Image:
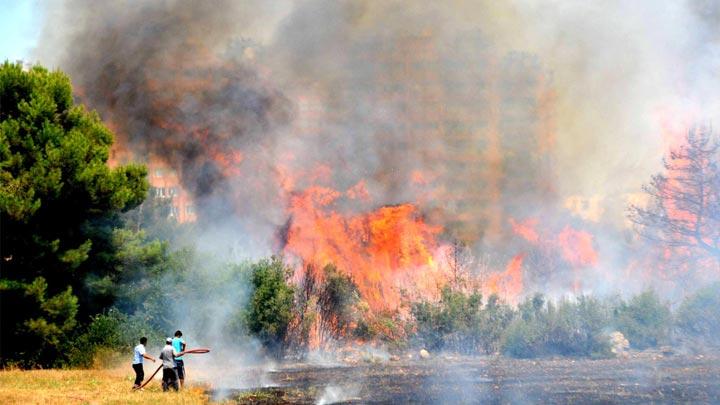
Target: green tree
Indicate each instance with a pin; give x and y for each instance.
(270, 308)
(144, 267)
(59, 202)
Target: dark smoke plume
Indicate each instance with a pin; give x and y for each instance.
(154, 71)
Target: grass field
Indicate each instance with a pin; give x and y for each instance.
(111, 386)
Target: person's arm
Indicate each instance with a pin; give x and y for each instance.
(147, 356)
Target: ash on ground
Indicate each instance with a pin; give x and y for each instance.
(637, 377)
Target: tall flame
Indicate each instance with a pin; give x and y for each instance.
(508, 284)
(385, 251)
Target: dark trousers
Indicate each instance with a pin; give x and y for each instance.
(170, 379)
(139, 373)
(180, 368)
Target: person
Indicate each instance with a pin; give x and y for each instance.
(179, 345)
(137, 364)
(167, 355)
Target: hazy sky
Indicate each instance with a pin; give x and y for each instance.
(20, 26)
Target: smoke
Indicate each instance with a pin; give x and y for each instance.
(171, 79)
(477, 111)
(333, 394)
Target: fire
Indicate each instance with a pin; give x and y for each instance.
(508, 284)
(527, 229)
(386, 251)
(577, 247)
(574, 247)
(359, 192)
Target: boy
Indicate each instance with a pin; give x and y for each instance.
(179, 345)
(137, 364)
(167, 355)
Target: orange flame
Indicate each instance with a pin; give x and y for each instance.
(385, 251)
(577, 247)
(526, 229)
(508, 284)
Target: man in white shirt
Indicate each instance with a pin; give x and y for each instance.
(137, 365)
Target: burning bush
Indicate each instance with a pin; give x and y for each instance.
(337, 298)
(383, 326)
(327, 308)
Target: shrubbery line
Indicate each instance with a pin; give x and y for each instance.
(459, 322)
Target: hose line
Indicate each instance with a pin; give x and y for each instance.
(191, 351)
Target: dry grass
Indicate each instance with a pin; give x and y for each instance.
(108, 386)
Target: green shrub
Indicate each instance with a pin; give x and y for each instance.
(450, 324)
(699, 315)
(495, 319)
(568, 328)
(577, 328)
(110, 332)
(525, 335)
(644, 320)
(522, 339)
(459, 322)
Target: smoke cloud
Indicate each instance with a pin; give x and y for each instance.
(476, 111)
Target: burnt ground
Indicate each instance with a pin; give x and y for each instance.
(640, 378)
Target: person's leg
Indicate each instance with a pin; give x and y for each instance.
(181, 372)
(135, 384)
(166, 379)
(141, 371)
(139, 374)
(174, 379)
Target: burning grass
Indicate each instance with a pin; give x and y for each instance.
(110, 386)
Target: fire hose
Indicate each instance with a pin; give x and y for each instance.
(191, 351)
